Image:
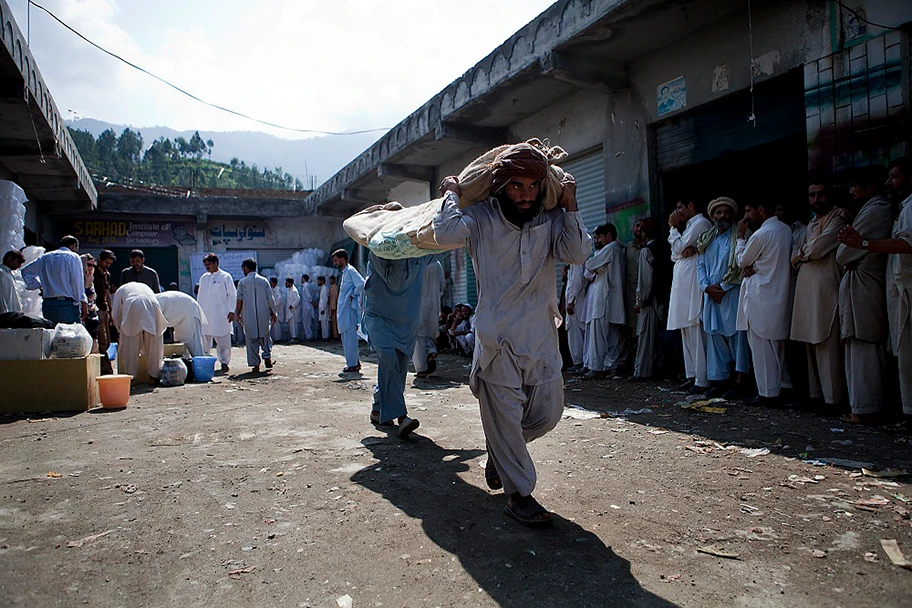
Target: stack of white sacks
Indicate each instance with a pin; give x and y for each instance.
(304, 262)
(12, 229)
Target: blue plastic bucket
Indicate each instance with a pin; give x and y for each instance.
(203, 368)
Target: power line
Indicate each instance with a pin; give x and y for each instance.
(191, 95)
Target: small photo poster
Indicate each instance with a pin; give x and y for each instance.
(672, 96)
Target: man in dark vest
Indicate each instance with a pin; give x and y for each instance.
(651, 300)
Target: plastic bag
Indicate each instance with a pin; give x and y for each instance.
(71, 341)
(173, 372)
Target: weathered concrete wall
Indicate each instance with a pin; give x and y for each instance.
(715, 61)
(410, 194)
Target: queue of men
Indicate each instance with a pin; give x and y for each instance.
(747, 292)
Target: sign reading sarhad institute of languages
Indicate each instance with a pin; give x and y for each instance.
(131, 233)
(671, 96)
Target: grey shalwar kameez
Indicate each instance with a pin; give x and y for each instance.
(258, 304)
(516, 371)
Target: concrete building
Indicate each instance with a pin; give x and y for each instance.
(657, 101)
(173, 228)
(36, 150)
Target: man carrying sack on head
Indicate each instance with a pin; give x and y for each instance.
(514, 240)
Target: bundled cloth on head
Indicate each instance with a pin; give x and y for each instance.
(395, 232)
(734, 275)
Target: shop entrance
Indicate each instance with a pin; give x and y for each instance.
(162, 259)
(715, 150)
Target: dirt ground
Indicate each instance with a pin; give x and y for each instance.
(276, 491)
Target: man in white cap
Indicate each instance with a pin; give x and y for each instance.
(720, 280)
(685, 305)
(217, 296)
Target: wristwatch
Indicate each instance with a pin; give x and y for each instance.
(864, 243)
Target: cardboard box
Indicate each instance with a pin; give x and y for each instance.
(174, 350)
(49, 385)
(25, 344)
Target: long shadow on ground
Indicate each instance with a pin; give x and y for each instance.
(562, 566)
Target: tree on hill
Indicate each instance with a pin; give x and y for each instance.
(172, 163)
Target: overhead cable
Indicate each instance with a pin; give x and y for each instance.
(194, 97)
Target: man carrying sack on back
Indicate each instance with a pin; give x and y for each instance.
(514, 241)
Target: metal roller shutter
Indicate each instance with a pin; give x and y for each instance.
(589, 171)
(721, 127)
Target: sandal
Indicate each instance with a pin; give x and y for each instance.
(491, 476)
(529, 513)
(375, 419)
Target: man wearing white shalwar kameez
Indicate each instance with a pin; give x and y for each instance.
(9, 295)
(256, 309)
(291, 309)
(763, 310)
(424, 356)
(217, 296)
(685, 305)
(606, 317)
(323, 308)
(516, 369)
(277, 331)
(899, 275)
(576, 328)
(187, 317)
(138, 318)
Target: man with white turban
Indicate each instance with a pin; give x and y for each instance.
(720, 281)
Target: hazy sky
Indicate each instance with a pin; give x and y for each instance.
(331, 65)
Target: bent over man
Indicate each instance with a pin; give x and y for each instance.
(516, 369)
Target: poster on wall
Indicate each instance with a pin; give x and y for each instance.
(672, 96)
(229, 261)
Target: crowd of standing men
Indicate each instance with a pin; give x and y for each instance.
(749, 300)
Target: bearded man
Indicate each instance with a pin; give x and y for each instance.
(899, 274)
(814, 318)
(516, 370)
(863, 298)
(720, 280)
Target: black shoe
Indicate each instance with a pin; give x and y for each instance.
(268, 363)
(758, 400)
(736, 393)
(687, 384)
(716, 391)
(697, 390)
